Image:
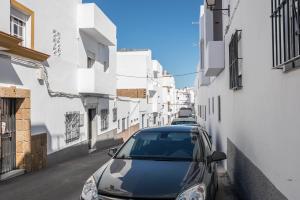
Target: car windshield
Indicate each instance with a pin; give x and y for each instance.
(169, 146)
(183, 122)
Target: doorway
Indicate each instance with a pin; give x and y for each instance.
(7, 135)
(92, 128)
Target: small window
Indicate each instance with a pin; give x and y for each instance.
(209, 106)
(18, 29)
(123, 124)
(104, 119)
(213, 105)
(128, 122)
(205, 113)
(143, 120)
(219, 108)
(201, 111)
(115, 114)
(118, 124)
(235, 71)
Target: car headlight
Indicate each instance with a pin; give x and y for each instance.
(90, 191)
(197, 192)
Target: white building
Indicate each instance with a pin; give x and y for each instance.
(169, 106)
(135, 79)
(71, 85)
(128, 111)
(141, 77)
(247, 93)
(185, 98)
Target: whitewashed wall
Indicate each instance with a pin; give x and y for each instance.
(262, 118)
(48, 113)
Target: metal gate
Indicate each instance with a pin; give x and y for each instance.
(7, 135)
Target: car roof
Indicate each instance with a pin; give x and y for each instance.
(184, 119)
(174, 128)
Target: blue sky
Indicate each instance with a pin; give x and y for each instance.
(164, 26)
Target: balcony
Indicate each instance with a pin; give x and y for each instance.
(214, 58)
(93, 22)
(95, 81)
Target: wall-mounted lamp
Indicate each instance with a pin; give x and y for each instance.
(211, 4)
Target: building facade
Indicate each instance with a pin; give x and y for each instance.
(169, 106)
(55, 66)
(185, 98)
(246, 93)
(135, 79)
(138, 76)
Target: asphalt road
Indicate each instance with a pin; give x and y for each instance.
(64, 181)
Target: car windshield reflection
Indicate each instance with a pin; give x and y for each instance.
(164, 146)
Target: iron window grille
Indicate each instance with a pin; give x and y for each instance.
(234, 62)
(285, 33)
(104, 119)
(72, 121)
(115, 115)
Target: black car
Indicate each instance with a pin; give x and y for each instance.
(175, 162)
(184, 121)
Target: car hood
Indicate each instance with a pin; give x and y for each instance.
(148, 179)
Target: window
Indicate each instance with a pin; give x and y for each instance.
(205, 113)
(128, 122)
(22, 23)
(235, 71)
(209, 106)
(213, 105)
(72, 121)
(115, 114)
(285, 33)
(118, 124)
(123, 124)
(200, 111)
(143, 120)
(219, 108)
(104, 119)
(17, 27)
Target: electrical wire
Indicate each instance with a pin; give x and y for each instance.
(176, 75)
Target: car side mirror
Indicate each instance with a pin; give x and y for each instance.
(112, 151)
(216, 156)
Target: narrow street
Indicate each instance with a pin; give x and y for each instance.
(65, 181)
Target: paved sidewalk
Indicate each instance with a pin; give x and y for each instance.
(65, 181)
(226, 190)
